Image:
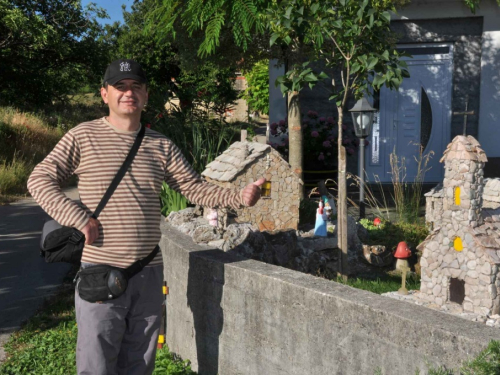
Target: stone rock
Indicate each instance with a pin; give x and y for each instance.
(281, 247)
(308, 245)
(235, 235)
(219, 244)
(377, 255)
(183, 216)
(205, 233)
(267, 225)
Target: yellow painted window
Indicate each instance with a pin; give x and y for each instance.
(266, 189)
(457, 196)
(457, 244)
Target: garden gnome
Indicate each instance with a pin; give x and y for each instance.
(320, 227)
(212, 217)
(328, 209)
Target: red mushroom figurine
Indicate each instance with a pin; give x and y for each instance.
(377, 221)
(402, 254)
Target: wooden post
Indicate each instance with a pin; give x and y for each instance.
(244, 135)
(342, 214)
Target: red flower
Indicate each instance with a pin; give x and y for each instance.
(148, 126)
(377, 221)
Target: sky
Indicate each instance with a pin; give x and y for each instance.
(113, 7)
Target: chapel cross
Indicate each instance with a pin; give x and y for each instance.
(465, 113)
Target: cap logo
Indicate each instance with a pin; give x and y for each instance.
(125, 67)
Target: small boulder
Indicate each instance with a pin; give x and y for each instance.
(205, 233)
(377, 255)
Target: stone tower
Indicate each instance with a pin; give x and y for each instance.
(463, 182)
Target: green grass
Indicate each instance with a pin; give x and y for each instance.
(47, 342)
(381, 285)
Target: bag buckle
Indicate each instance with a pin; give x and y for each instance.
(76, 236)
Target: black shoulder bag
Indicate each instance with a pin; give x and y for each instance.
(102, 282)
(65, 244)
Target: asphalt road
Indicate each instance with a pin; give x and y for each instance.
(25, 279)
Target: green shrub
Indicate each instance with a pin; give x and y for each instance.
(390, 234)
(171, 200)
(257, 92)
(170, 364)
(14, 176)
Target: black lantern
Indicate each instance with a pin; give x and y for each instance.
(362, 118)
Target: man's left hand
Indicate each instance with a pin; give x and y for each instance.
(251, 193)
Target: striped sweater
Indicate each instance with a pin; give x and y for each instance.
(130, 222)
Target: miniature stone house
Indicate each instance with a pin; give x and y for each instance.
(460, 257)
(245, 162)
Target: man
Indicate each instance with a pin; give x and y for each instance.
(119, 336)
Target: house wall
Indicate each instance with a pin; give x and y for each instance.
(277, 103)
(440, 262)
(489, 108)
(230, 315)
(281, 210)
(479, 77)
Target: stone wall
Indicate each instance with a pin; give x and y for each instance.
(234, 316)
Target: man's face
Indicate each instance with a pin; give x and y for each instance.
(126, 97)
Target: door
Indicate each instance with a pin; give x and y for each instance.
(414, 119)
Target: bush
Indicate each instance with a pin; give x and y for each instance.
(390, 234)
(14, 176)
(257, 92)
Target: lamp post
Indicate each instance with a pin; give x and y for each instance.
(362, 118)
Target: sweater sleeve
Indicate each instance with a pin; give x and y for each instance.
(44, 183)
(181, 177)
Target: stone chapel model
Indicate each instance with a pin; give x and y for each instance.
(460, 258)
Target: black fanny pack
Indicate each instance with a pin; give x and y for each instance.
(65, 244)
(102, 282)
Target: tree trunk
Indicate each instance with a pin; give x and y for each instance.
(342, 202)
(295, 153)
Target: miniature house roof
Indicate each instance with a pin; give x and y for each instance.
(232, 161)
(464, 148)
(487, 236)
(436, 192)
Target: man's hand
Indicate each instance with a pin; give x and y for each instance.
(251, 193)
(91, 231)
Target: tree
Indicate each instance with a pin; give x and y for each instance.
(353, 39)
(48, 49)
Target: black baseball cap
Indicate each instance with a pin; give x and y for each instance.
(124, 69)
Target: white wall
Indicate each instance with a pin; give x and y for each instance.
(489, 111)
(277, 103)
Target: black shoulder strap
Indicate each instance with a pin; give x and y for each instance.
(121, 172)
(137, 266)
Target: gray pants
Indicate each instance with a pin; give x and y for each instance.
(120, 336)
